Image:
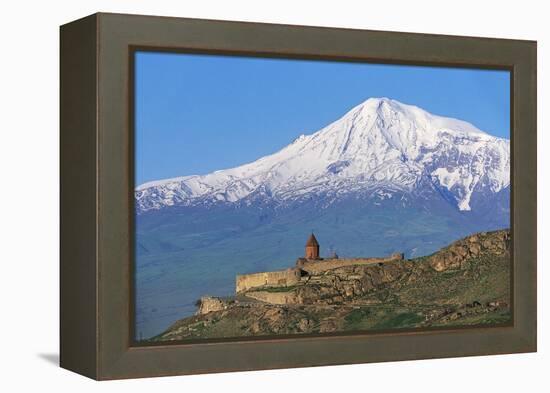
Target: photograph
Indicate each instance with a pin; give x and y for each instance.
(262, 197)
(276, 197)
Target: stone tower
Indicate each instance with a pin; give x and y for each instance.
(312, 247)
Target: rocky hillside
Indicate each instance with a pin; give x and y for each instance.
(466, 283)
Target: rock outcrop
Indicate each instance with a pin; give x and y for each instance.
(209, 304)
(460, 252)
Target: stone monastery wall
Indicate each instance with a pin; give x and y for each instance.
(319, 266)
(292, 276)
(282, 278)
(274, 297)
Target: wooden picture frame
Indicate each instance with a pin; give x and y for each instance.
(97, 198)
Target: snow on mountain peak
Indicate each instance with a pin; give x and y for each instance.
(378, 142)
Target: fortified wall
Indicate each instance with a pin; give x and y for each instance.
(322, 265)
(274, 297)
(281, 278)
(304, 267)
(310, 265)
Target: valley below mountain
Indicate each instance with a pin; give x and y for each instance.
(464, 284)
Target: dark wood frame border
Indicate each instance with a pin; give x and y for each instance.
(132, 50)
(96, 208)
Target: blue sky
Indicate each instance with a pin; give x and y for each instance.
(200, 113)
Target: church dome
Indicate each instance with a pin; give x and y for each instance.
(312, 241)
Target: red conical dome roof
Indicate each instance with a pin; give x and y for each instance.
(312, 241)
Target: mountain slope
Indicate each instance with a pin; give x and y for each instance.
(380, 142)
(466, 283)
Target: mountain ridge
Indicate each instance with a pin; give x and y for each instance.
(379, 142)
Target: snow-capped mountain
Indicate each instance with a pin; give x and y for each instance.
(380, 145)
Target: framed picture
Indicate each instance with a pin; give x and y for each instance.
(241, 196)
